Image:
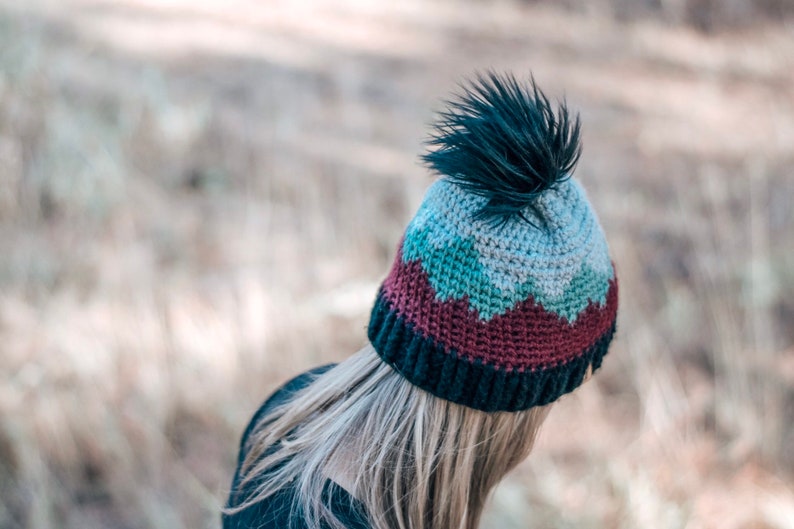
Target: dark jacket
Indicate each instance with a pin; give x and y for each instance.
(276, 512)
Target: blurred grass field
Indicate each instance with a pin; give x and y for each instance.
(199, 199)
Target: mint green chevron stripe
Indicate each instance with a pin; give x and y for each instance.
(455, 271)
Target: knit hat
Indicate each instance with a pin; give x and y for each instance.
(502, 295)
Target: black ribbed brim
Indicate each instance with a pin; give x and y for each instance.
(442, 372)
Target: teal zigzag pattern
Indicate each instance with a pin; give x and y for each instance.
(496, 273)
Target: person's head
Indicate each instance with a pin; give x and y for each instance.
(414, 460)
(502, 298)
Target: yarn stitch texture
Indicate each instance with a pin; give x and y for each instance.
(498, 319)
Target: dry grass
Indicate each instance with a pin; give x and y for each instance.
(198, 200)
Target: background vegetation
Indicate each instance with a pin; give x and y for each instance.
(198, 200)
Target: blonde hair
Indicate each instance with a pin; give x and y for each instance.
(415, 461)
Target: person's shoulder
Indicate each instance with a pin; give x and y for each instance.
(275, 512)
(279, 511)
(296, 384)
(283, 394)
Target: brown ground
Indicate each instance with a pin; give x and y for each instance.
(198, 199)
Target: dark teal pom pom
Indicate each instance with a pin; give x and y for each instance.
(502, 140)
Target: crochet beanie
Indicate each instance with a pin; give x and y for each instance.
(502, 295)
